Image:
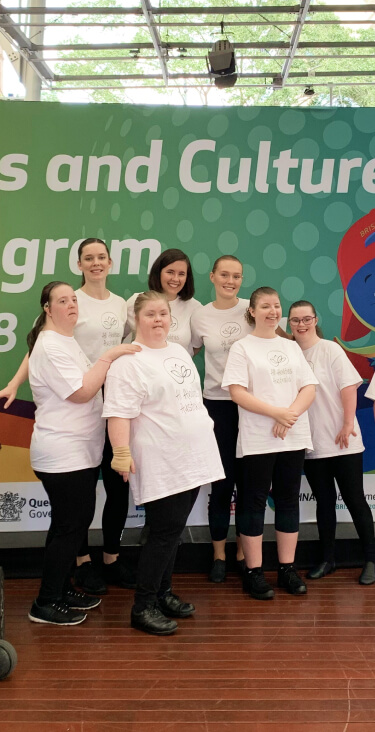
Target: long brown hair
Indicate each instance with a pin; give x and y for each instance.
(45, 299)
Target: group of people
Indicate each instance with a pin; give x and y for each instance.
(274, 405)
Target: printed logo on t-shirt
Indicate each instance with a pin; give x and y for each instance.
(179, 370)
(277, 358)
(280, 373)
(109, 321)
(174, 324)
(230, 330)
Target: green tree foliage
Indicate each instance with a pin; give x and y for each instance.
(267, 62)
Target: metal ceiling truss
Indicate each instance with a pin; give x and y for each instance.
(294, 16)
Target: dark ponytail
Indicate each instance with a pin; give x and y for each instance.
(41, 320)
(80, 249)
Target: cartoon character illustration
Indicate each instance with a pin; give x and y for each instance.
(356, 265)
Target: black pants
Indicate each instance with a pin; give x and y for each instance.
(115, 508)
(283, 470)
(347, 470)
(225, 417)
(166, 518)
(72, 499)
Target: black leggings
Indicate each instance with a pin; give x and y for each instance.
(283, 470)
(347, 470)
(225, 417)
(166, 518)
(115, 508)
(72, 499)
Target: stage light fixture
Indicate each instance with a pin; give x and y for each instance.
(222, 64)
(309, 91)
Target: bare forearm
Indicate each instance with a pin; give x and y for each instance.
(119, 431)
(304, 399)
(22, 374)
(349, 403)
(91, 383)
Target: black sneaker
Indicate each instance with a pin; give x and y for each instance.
(56, 613)
(241, 566)
(117, 574)
(217, 573)
(367, 576)
(255, 583)
(173, 607)
(151, 620)
(80, 601)
(89, 580)
(290, 581)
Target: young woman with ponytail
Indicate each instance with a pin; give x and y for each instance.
(100, 325)
(66, 445)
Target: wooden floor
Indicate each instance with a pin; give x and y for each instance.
(288, 665)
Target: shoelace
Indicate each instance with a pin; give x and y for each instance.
(60, 608)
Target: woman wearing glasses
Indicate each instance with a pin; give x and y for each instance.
(337, 442)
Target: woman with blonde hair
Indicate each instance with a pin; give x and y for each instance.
(163, 441)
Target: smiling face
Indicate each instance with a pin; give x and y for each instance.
(62, 310)
(152, 323)
(173, 278)
(302, 322)
(94, 262)
(227, 279)
(266, 313)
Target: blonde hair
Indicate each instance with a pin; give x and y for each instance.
(254, 297)
(148, 296)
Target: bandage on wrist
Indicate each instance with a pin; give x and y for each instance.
(121, 460)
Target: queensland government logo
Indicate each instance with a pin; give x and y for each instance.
(11, 505)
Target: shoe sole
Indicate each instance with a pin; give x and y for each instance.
(152, 632)
(51, 622)
(331, 571)
(178, 615)
(86, 607)
(301, 590)
(265, 596)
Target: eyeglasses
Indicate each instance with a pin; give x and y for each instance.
(306, 320)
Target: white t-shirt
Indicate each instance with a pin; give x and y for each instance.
(272, 370)
(100, 323)
(171, 438)
(217, 330)
(370, 393)
(66, 436)
(181, 311)
(334, 372)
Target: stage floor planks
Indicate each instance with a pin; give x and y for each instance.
(294, 664)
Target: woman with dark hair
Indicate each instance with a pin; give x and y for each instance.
(337, 442)
(171, 274)
(100, 325)
(217, 326)
(163, 439)
(273, 386)
(66, 445)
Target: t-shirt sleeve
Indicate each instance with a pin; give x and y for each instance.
(370, 393)
(305, 374)
(236, 369)
(124, 392)
(63, 374)
(196, 337)
(343, 370)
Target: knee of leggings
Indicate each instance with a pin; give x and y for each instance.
(287, 521)
(251, 523)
